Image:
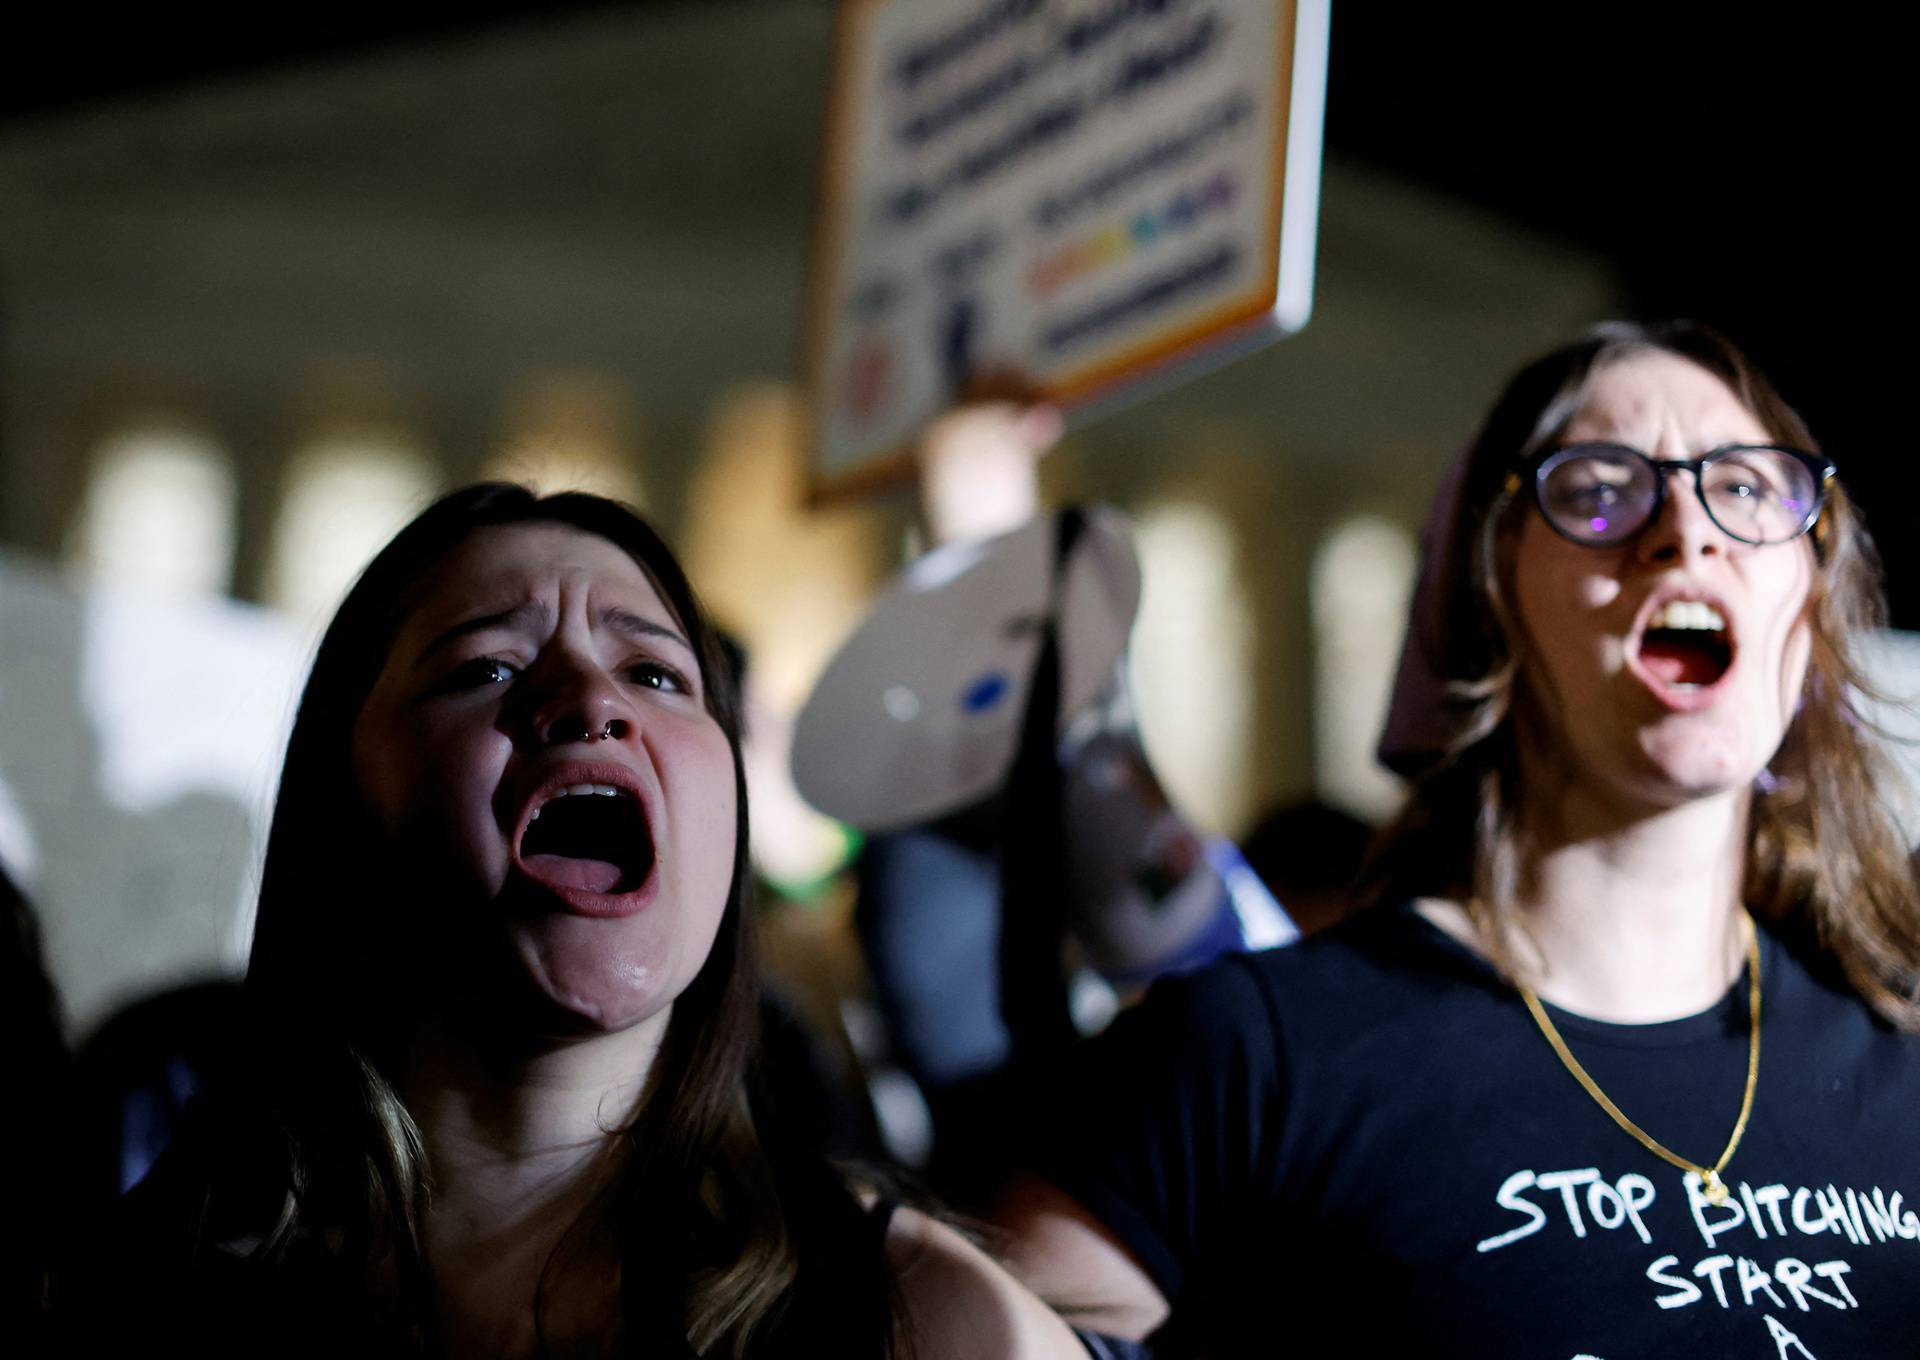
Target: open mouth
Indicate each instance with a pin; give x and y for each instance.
(1686, 645)
(589, 837)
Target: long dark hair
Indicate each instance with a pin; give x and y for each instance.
(1824, 857)
(726, 1236)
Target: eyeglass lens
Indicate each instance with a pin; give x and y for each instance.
(1603, 494)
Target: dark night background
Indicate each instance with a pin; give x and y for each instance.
(1738, 164)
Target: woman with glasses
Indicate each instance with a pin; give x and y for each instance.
(1623, 1063)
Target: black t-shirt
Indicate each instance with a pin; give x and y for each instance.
(1364, 1146)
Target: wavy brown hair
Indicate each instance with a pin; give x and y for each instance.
(1825, 861)
(731, 1241)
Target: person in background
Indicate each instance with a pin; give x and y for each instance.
(998, 932)
(498, 1097)
(928, 911)
(139, 1072)
(1623, 1062)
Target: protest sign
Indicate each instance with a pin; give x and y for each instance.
(1093, 196)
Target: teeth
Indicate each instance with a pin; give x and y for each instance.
(1690, 616)
(580, 790)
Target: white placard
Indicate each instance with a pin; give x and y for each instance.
(1077, 194)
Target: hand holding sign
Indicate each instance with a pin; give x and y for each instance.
(978, 468)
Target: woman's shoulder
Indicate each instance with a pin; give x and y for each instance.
(1808, 987)
(957, 1301)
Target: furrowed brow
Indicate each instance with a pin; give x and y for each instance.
(534, 614)
(639, 628)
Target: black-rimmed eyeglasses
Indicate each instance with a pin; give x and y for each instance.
(1604, 494)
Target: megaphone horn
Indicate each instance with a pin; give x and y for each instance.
(932, 707)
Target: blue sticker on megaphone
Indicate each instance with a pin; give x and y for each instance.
(984, 693)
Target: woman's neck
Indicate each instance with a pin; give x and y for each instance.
(1630, 915)
(519, 1145)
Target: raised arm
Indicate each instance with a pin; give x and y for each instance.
(979, 468)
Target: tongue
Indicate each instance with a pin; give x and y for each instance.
(1675, 662)
(565, 871)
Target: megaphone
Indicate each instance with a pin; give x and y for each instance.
(995, 670)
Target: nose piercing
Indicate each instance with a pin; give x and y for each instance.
(576, 730)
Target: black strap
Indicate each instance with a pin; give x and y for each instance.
(1033, 870)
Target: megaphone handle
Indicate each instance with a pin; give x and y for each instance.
(1034, 884)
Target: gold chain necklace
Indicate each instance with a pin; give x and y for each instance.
(1715, 1189)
